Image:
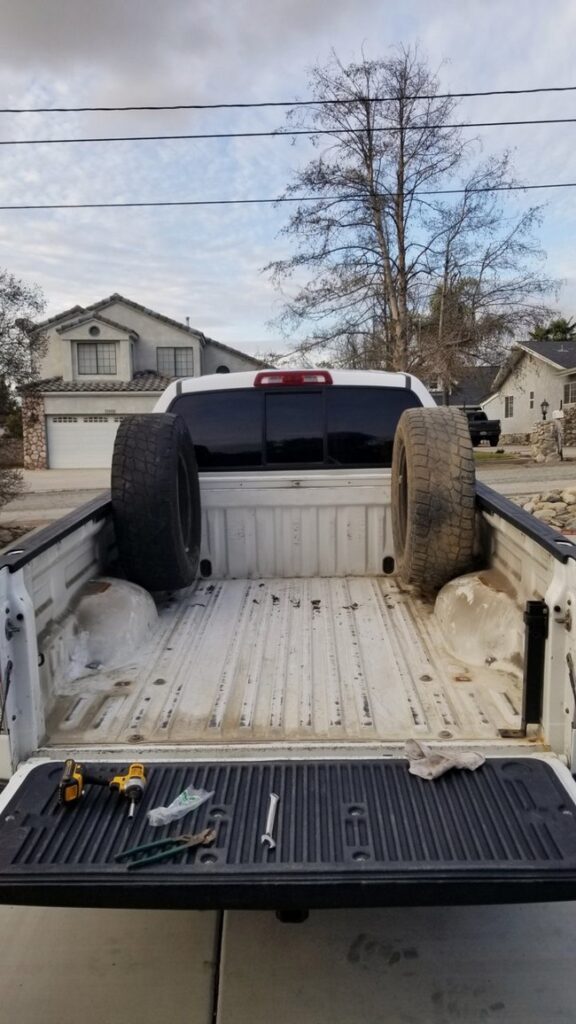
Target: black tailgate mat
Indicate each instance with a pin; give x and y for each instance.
(349, 833)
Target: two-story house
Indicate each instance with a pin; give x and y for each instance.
(103, 362)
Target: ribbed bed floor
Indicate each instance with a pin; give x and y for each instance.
(289, 660)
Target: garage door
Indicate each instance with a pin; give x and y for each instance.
(81, 442)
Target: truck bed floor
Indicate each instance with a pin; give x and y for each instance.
(288, 661)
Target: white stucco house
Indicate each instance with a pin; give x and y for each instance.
(103, 362)
(536, 371)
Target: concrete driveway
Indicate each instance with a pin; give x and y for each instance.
(431, 965)
(39, 481)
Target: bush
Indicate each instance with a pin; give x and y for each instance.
(14, 423)
(10, 484)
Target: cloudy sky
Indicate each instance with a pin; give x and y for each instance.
(206, 263)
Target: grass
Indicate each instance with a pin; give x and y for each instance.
(497, 455)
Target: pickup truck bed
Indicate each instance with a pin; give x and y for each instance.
(289, 661)
(299, 664)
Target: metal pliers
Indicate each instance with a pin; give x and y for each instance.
(166, 848)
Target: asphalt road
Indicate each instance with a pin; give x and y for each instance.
(513, 479)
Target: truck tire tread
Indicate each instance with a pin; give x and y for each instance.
(156, 501)
(433, 497)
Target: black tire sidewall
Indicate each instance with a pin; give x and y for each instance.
(184, 550)
(401, 499)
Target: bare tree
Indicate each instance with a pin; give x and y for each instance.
(375, 239)
(488, 267)
(21, 348)
(21, 345)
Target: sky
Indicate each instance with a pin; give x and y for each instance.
(206, 263)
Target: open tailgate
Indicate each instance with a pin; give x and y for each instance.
(349, 833)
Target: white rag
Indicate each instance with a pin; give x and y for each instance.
(430, 764)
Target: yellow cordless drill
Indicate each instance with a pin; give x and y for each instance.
(75, 776)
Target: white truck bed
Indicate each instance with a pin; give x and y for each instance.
(288, 661)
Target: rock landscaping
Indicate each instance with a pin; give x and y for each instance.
(546, 442)
(558, 508)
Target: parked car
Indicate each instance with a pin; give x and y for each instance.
(483, 429)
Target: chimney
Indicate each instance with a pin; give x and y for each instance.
(187, 321)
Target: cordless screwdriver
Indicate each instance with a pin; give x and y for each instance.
(131, 785)
(75, 777)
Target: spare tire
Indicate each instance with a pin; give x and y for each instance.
(156, 501)
(433, 497)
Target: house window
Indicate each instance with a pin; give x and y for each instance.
(97, 358)
(175, 362)
(570, 392)
(531, 399)
(509, 406)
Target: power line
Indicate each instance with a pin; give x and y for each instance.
(286, 103)
(279, 134)
(282, 199)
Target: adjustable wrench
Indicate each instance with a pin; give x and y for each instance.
(267, 839)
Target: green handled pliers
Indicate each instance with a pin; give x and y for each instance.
(166, 848)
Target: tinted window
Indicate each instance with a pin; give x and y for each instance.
(226, 427)
(295, 427)
(258, 429)
(361, 422)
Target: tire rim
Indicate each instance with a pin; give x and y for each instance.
(184, 503)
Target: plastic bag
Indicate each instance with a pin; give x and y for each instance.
(186, 802)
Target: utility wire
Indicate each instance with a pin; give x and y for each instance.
(286, 103)
(282, 199)
(279, 134)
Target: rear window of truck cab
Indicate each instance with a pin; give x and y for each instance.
(310, 427)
